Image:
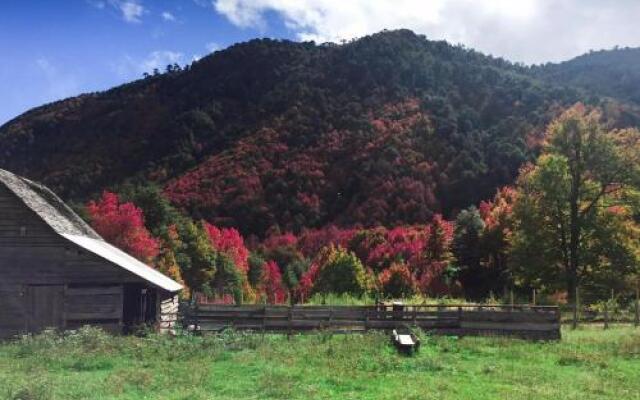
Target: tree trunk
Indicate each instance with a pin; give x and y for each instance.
(574, 218)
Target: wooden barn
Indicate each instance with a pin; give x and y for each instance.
(55, 271)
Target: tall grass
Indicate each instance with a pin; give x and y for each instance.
(89, 364)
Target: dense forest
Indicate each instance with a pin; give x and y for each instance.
(614, 73)
(387, 129)
(390, 164)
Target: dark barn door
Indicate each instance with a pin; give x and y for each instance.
(46, 307)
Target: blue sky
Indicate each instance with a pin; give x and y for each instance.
(56, 49)
(53, 49)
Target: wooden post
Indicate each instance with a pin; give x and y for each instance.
(534, 296)
(511, 299)
(574, 324)
(264, 320)
(197, 317)
(366, 319)
(290, 317)
(606, 316)
(636, 320)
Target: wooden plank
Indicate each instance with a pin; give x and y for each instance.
(506, 326)
(501, 316)
(94, 290)
(540, 322)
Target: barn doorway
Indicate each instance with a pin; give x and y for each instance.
(139, 306)
(46, 307)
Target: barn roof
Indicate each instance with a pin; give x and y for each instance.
(66, 223)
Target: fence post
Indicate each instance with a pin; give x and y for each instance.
(606, 316)
(197, 318)
(264, 320)
(637, 310)
(534, 296)
(576, 303)
(290, 317)
(511, 299)
(366, 319)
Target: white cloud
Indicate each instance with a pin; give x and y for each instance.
(131, 11)
(167, 16)
(58, 83)
(97, 4)
(132, 68)
(160, 59)
(531, 31)
(212, 46)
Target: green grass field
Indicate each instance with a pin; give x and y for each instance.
(587, 364)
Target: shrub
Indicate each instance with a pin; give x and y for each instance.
(397, 281)
(341, 272)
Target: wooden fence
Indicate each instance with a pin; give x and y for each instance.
(533, 322)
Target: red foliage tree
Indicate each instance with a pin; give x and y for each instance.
(312, 240)
(437, 256)
(307, 281)
(271, 284)
(397, 281)
(497, 215)
(280, 240)
(122, 224)
(401, 244)
(231, 243)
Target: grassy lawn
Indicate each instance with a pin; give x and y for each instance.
(587, 364)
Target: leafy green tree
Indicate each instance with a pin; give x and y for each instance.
(341, 272)
(159, 214)
(575, 207)
(292, 273)
(467, 249)
(196, 257)
(256, 264)
(228, 279)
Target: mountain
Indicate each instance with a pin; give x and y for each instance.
(387, 129)
(613, 73)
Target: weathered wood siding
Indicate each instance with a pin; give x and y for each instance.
(20, 227)
(46, 280)
(32, 253)
(97, 305)
(13, 310)
(534, 322)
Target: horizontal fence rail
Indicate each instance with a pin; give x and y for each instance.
(534, 322)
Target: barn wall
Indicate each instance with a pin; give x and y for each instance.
(13, 310)
(20, 227)
(102, 306)
(32, 254)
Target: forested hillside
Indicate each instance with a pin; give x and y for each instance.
(614, 73)
(385, 130)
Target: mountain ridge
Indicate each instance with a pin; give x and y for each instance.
(387, 129)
